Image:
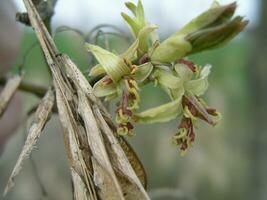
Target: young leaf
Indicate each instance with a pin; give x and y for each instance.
(40, 119)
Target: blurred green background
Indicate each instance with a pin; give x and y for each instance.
(226, 162)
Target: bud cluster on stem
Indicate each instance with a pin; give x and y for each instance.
(165, 64)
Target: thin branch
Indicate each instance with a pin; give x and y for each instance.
(8, 92)
(37, 90)
(89, 35)
(63, 29)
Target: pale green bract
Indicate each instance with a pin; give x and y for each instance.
(142, 72)
(200, 85)
(137, 22)
(176, 87)
(167, 79)
(97, 70)
(162, 113)
(102, 90)
(138, 25)
(114, 66)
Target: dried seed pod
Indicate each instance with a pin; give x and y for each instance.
(41, 117)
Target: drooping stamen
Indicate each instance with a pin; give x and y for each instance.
(127, 62)
(124, 114)
(185, 136)
(125, 129)
(198, 109)
(133, 95)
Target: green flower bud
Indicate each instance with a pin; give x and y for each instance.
(209, 30)
(217, 36)
(171, 49)
(213, 28)
(214, 16)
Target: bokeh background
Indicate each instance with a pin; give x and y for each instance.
(226, 162)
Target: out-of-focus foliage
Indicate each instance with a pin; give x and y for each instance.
(10, 38)
(220, 166)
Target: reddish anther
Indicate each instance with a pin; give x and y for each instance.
(107, 81)
(144, 59)
(188, 63)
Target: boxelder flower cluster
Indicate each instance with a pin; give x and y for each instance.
(165, 64)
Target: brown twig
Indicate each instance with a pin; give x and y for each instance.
(39, 90)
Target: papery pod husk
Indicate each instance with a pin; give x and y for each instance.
(126, 164)
(41, 117)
